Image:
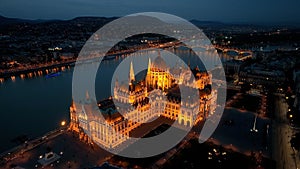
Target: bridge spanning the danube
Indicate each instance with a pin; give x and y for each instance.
(239, 51)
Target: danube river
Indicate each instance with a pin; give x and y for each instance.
(37, 105)
(34, 106)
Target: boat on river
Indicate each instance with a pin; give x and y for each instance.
(54, 74)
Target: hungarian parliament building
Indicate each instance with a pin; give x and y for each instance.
(157, 95)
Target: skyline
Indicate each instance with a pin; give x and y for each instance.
(253, 11)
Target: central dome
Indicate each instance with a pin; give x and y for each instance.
(159, 63)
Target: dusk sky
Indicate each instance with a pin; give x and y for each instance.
(248, 11)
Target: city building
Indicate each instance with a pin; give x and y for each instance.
(259, 75)
(159, 94)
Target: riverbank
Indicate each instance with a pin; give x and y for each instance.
(35, 70)
(45, 68)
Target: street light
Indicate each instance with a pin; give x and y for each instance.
(63, 123)
(254, 129)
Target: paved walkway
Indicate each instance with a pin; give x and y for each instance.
(74, 154)
(282, 153)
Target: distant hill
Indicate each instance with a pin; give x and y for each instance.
(220, 24)
(94, 18)
(9, 21)
(84, 19)
(206, 23)
(6, 20)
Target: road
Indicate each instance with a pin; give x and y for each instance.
(21, 149)
(282, 151)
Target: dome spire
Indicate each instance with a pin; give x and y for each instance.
(159, 63)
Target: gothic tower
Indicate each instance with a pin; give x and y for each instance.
(131, 84)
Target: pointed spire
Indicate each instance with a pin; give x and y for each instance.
(73, 106)
(149, 65)
(72, 102)
(131, 73)
(87, 96)
(158, 53)
(116, 82)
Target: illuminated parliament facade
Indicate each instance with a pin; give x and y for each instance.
(141, 101)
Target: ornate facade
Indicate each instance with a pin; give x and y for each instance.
(138, 102)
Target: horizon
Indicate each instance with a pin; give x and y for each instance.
(278, 23)
(231, 11)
